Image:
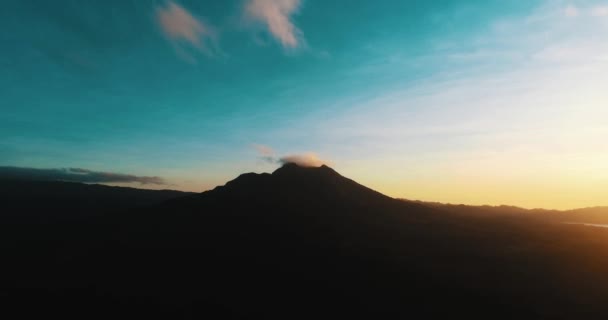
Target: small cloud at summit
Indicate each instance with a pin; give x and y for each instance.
(309, 159)
(304, 160)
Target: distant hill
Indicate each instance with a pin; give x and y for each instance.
(598, 215)
(301, 243)
(586, 215)
(56, 199)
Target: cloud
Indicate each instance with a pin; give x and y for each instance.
(276, 15)
(303, 160)
(75, 175)
(309, 159)
(266, 153)
(571, 11)
(179, 25)
(264, 150)
(600, 11)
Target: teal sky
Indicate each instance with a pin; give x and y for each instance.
(454, 101)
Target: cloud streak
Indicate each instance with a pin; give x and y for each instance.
(571, 11)
(600, 11)
(75, 175)
(180, 26)
(276, 15)
(266, 153)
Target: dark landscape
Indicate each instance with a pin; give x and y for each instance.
(304, 159)
(297, 243)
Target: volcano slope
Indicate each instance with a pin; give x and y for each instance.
(301, 243)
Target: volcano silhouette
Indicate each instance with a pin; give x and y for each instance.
(300, 243)
(295, 188)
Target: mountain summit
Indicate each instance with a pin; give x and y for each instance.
(297, 188)
(291, 167)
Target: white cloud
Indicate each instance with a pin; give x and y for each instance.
(600, 11)
(179, 25)
(309, 159)
(571, 11)
(500, 116)
(304, 160)
(276, 15)
(265, 153)
(263, 150)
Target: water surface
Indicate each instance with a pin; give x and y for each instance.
(589, 224)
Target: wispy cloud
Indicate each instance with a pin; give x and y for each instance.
(527, 105)
(76, 175)
(266, 153)
(264, 150)
(180, 26)
(600, 11)
(571, 11)
(276, 15)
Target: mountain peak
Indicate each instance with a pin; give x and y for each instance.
(293, 168)
(297, 189)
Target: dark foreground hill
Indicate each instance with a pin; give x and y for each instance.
(59, 199)
(303, 243)
(591, 215)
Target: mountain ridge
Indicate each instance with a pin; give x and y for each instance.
(302, 242)
(291, 185)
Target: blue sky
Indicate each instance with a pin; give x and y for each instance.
(454, 101)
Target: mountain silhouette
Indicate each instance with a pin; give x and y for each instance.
(52, 200)
(301, 191)
(299, 243)
(294, 185)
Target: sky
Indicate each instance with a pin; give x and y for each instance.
(474, 102)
